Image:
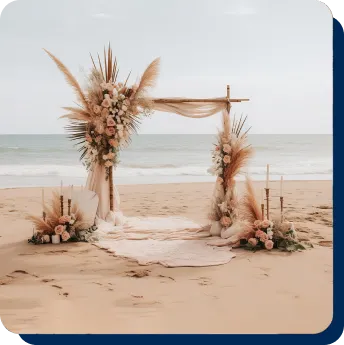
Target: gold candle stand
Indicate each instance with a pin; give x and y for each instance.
(262, 206)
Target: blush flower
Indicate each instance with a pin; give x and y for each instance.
(269, 245)
(225, 221)
(105, 112)
(257, 224)
(227, 148)
(265, 224)
(110, 121)
(261, 235)
(110, 131)
(64, 219)
(108, 164)
(65, 236)
(253, 242)
(106, 103)
(88, 138)
(59, 229)
(98, 139)
(113, 142)
(226, 159)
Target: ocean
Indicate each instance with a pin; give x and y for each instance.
(45, 160)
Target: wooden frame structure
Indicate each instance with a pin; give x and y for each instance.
(226, 100)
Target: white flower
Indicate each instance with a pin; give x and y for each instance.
(121, 112)
(46, 238)
(120, 127)
(72, 221)
(108, 164)
(121, 96)
(223, 207)
(120, 134)
(118, 119)
(109, 87)
(124, 108)
(115, 93)
(105, 157)
(94, 151)
(103, 85)
(107, 96)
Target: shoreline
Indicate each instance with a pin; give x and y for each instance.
(43, 287)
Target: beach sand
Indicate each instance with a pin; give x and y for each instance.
(78, 288)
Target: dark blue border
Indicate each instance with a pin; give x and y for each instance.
(334, 331)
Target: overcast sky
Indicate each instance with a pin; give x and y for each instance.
(277, 53)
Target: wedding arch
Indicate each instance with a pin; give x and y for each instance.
(109, 111)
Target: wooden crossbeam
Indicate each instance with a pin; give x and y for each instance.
(227, 99)
(195, 100)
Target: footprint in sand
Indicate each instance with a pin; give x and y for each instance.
(137, 301)
(203, 281)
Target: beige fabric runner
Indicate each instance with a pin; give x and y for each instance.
(170, 241)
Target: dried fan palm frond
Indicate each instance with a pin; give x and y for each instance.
(76, 114)
(70, 80)
(40, 225)
(149, 77)
(251, 210)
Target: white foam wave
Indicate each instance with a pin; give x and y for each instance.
(80, 171)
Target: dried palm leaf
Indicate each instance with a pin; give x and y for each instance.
(70, 80)
(149, 77)
(251, 210)
(40, 225)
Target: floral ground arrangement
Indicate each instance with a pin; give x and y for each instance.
(259, 233)
(55, 226)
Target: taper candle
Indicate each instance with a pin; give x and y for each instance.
(281, 191)
(267, 175)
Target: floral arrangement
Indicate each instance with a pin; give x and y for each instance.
(108, 111)
(54, 223)
(230, 155)
(262, 233)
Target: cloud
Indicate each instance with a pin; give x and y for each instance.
(242, 11)
(101, 15)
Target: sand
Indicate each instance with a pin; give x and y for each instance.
(78, 288)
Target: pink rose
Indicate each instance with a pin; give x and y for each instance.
(113, 142)
(106, 103)
(105, 112)
(217, 148)
(253, 242)
(59, 229)
(110, 122)
(227, 148)
(65, 236)
(110, 131)
(265, 224)
(224, 140)
(64, 219)
(226, 221)
(226, 159)
(261, 235)
(88, 138)
(269, 244)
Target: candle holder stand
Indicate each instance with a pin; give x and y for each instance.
(69, 205)
(282, 211)
(61, 202)
(267, 192)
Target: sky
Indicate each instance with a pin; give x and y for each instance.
(276, 53)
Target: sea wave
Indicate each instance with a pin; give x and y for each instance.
(155, 170)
